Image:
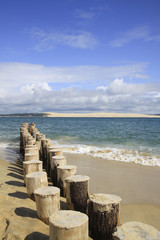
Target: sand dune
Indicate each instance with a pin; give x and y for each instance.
(101, 114)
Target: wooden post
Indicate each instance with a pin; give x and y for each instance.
(68, 225)
(31, 141)
(31, 156)
(23, 131)
(44, 143)
(54, 152)
(62, 173)
(32, 150)
(55, 162)
(47, 202)
(35, 180)
(48, 148)
(103, 213)
(31, 166)
(136, 230)
(77, 193)
(31, 127)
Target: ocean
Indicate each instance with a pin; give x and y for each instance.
(120, 139)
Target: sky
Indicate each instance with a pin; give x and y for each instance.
(80, 56)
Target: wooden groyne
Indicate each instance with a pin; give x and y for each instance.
(94, 215)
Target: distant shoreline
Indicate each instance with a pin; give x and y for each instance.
(82, 115)
(100, 115)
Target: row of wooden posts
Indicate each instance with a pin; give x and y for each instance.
(97, 212)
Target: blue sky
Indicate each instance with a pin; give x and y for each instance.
(80, 56)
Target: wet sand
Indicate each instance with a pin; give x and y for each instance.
(138, 186)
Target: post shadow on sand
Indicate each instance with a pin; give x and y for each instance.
(18, 164)
(18, 194)
(25, 212)
(36, 235)
(15, 183)
(17, 170)
(15, 175)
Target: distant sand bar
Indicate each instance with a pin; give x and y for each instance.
(101, 115)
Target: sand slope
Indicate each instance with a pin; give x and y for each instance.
(100, 114)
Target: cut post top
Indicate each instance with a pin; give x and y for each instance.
(36, 174)
(32, 162)
(55, 150)
(58, 157)
(68, 219)
(46, 191)
(31, 154)
(77, 178)
(104, 199)
(104, 202)
(67, 167)
(136, 230)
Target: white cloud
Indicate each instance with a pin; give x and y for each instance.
(31, 89)
(16, 75)
(49, 40)
(137, 33)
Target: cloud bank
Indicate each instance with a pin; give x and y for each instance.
(36, 88)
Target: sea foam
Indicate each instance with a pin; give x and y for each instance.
(111, 153)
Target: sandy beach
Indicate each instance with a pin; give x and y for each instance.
(18, 218)
(101, 115)
(138, 186)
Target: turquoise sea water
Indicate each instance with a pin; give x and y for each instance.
(120, 139)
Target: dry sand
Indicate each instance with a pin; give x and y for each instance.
(138, 186)
(101, 114)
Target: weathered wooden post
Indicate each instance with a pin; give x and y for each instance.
(32, 127)
(44, 143)
(32, 150)
(24, 140)
(39, 138)
(136, 230)
(68, 225)
(48, 148)
(23, 131)
(35, 180)
(34, 132)
(31, 156)
(31, 141)
(55, 152)
(55, 162)
(47, 202)
(103, 213)
(77, 193)
(31, 166)
(24, 125)
(63, 172)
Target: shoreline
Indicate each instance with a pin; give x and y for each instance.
(100, 115)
